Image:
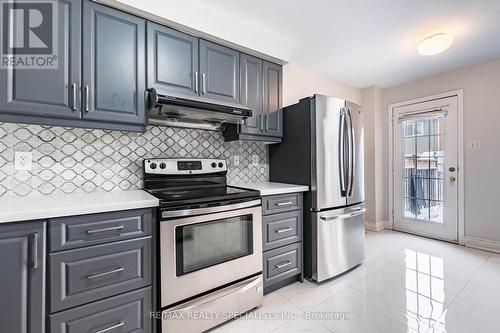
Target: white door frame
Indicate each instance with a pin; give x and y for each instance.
(460, 151)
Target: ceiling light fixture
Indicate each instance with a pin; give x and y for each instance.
(435, 44)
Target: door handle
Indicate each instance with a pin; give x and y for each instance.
(261, 122)
(96, 231)
(98, 275)
(73, 97)
(87, 99)
(109, 328)
(265, 123)
(280, 231)
(343, 216)
(343, 188)
(452, 179)
(350, 151)
(34, 250)
(203, 84)
(196, 82)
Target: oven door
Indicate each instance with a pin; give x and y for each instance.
(202, 252)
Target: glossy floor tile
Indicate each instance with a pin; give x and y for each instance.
(407, 284)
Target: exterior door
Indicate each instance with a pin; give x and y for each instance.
(22, 305)
(251, 92)
(425, 168)
(356, 191)
(220, 72)
(49, 92)
(172, 60)
(114, 65)
(329, 181)
(273, 115)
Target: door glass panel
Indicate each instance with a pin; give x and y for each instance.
(210, 243)
(423, 154)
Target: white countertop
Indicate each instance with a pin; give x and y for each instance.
(46, 206)
(270, 188)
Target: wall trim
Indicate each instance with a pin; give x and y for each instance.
(460, 155)
(482, 244)
(375, 226)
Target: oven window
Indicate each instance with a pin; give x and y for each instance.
(210, 243)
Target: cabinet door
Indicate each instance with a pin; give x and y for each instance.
(49, 92)
(251, 92)
(220, 72)
(273, 99)
(22, 250)
(114, 65)
(172, 60)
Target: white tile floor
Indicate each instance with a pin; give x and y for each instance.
(407, 284)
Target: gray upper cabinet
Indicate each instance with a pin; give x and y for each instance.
(114, 65)
(172, 60)
(251, 92)
(273, 99)
(22, 248)
(48, 92)
(220, 72)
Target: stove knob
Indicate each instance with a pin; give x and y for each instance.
(162, 165)
(221, 165)
(152, 165)
(213, 165)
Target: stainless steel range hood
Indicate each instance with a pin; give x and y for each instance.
(193, 111)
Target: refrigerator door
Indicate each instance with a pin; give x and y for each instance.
(329, 163)
(339, 244)
(355, 169)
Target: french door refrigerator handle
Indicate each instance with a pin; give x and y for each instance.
(351, 152)
(342, 153)
(343, 216)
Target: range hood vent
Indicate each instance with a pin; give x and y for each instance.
(194, 111)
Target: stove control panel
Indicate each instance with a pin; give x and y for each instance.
(163, 166)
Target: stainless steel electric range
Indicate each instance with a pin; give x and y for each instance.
(210, 243)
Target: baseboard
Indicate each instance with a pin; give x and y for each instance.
(375, 226)
(483, 244)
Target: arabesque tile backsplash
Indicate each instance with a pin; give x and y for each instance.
(67, 160)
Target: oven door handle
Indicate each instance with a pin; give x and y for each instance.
(239, 288)
(208, 210)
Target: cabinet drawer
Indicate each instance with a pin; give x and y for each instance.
(84, 275)
(281, 229)
(281, 203)
(78, 231)
(282, 263)
(127, 313)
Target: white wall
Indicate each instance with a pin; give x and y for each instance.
(299, 83)
(481, 85)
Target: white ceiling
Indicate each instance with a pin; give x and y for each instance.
(373, 42)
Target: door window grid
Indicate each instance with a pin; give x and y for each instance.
(423, 156)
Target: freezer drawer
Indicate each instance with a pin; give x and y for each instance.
(339, 244)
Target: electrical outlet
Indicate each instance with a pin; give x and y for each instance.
(475, 144)
(236, 160)
(255, 159)
(22, 160)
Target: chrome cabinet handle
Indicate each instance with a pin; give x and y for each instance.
(261, 122)
(287, 203)
(265, 123)
(283, 264)
(196, 82)
(87, 99)
(96, 231)
(109, 328)
(280, 231)
(343, 216)
(97, 275)
(34, 250)
(73, 92)
(203, 84)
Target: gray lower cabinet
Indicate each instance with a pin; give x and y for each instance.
(220, 72)
(126, 313)
(43, 92)
(282, 217)
(172, 60)
(114, 65)
(22, 300)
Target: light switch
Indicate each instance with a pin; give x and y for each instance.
(236, 160)
(475, 144)
(22, 160)
(255, 160)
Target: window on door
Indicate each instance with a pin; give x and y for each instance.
(423, 165)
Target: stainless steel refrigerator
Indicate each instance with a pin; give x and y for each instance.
(323, 148)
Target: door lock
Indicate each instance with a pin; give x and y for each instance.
(451, 169)
(452, 179)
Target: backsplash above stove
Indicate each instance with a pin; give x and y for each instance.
(67, 160)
